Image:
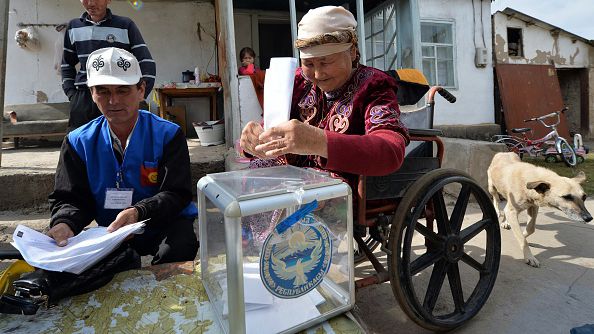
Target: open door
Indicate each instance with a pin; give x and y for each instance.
(529, 91)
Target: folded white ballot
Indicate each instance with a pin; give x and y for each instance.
(81, 252)
(278, 90)
(261, 306)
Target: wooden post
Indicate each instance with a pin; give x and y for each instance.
(228, 68)
(3, 45)
(293, 14)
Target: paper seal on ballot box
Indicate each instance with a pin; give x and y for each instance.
(297, 255)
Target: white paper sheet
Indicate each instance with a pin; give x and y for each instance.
(266, 313)
(81, 252)
(278, 90)
(282, 315)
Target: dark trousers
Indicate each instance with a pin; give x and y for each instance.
(175, 241)
(82, 109)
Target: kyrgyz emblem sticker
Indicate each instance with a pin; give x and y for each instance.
(296, 255)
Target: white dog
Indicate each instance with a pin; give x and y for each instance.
(528, 187)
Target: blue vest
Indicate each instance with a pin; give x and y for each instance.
(92, 142)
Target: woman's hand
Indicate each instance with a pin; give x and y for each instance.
(293, 137)
(250, 139)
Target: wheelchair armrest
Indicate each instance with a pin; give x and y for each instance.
(425, 132)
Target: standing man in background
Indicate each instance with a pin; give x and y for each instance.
(98, 28)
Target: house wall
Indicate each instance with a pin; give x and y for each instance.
(564, 51)
(540, 46)
(168, 28)
(591, 91)
(474, 89)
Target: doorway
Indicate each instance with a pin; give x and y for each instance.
(275, 41)
(574, 90)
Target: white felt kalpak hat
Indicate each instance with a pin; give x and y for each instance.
(112, 66)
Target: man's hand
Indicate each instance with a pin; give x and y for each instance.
(125, 217)
(60, 232)
(249, 139)
(293, 137)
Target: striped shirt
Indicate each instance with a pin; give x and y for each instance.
(84, 36)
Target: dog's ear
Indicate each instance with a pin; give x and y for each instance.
(541, 187)
(581, 177)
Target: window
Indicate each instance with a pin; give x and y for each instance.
(437, 47)
(514, 42)
(380, 38)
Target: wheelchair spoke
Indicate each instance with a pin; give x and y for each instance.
(441, 214)
(456, 287)
(474, 229)
(424, 261)
(435, 282)
(474, 263)
(460, 209)
(427, 233)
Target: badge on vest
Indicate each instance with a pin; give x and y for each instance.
(118, 198)
(148, 174)
(297, 255)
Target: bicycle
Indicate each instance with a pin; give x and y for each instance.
(550, 145)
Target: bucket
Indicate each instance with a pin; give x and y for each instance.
(210, 132)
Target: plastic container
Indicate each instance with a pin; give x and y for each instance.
(197, 74)
(240, 214)
(210, 132)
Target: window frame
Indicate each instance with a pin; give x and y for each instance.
(520, 47)
(370, 36)
(452, 24)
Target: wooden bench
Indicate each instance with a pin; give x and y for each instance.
(35, 120)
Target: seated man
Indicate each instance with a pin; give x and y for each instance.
(125, 166)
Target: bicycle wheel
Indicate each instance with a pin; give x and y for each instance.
(566, 151)
(513, 145)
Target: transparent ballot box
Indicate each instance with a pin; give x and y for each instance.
(276, 248)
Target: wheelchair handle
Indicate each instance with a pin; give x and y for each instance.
(446, 95)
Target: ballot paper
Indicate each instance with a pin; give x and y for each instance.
(81, 252)
(261, 306)
(278, 90)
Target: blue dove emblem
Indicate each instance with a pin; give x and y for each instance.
(297, 260)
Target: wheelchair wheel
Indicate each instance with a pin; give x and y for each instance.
(465, 249)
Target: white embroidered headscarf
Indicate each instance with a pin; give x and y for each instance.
(326, 30)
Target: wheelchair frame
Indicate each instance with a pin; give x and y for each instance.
(394, 223)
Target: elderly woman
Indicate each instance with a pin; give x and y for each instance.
(344, 116)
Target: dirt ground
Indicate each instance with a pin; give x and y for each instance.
(554, 298)
(37, 219)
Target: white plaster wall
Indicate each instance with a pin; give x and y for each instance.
(474, 89)
(539, 45)
(169, 29)
(244, 36)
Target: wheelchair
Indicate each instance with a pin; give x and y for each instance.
(425, 239)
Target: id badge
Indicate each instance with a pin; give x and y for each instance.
(118, 198)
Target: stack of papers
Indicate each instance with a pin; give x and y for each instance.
(278, 90)
(265, 313)
(81, 252)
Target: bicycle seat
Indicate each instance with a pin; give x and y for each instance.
(521, 130)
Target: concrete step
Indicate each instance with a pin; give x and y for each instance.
(27, 174)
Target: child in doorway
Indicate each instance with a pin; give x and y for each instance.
(247, 56)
